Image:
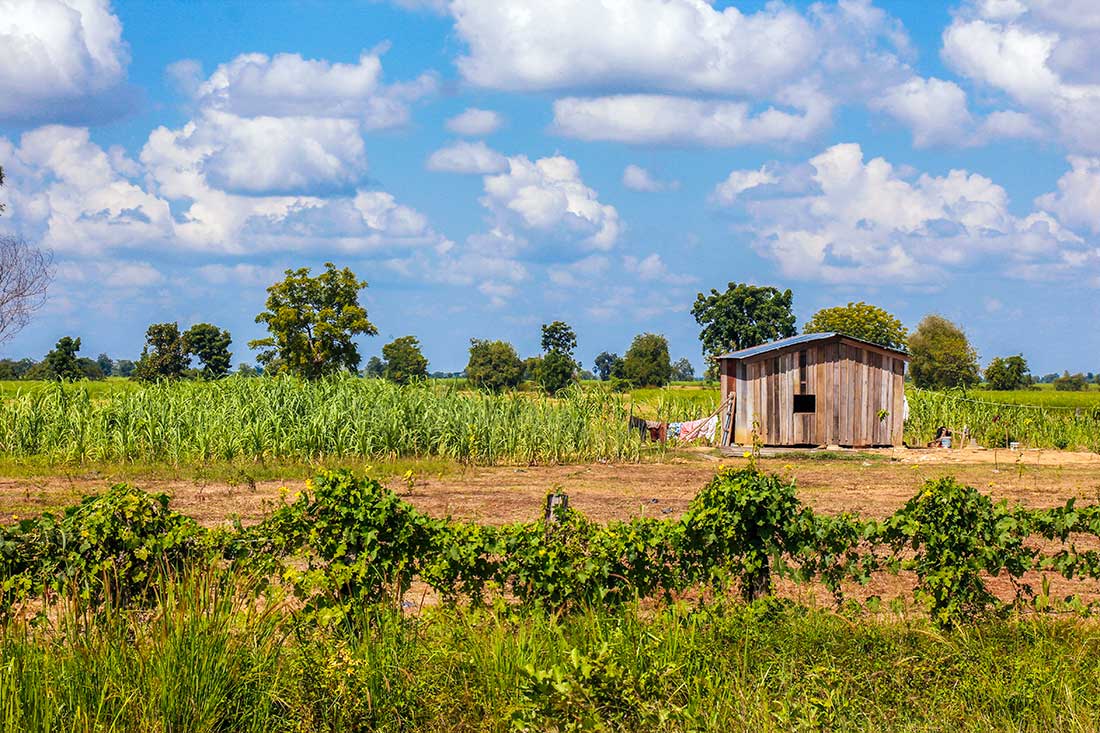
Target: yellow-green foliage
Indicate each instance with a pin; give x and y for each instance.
(239, 418)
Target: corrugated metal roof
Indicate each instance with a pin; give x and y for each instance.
(802, 338)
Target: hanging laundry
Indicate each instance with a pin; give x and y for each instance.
(699, 429)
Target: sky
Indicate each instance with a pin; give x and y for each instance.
(488, 167)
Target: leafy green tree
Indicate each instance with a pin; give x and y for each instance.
(313, 322)
(89, 369)
(647, 362)
(62, 361)
(1071, 382)
(743, 316)
(608, 365)
(164, 355)
(375, 369)
(862, 321)
(683, 371)
(105, 364)
(493, 365)
(211, 345)
(404, 360)
(940, 355)
(1006, 373)
(125, 367)
(558, 369)
(532, 369)
(558, 337)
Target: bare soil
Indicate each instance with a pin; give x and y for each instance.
(872, 483)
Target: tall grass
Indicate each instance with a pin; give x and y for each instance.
(285, 418)
(996, 424)
(205, 660)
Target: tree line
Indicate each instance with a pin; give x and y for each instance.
(313, 321)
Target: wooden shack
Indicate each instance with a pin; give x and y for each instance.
(817, 389)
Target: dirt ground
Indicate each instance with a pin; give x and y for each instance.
(872, 483)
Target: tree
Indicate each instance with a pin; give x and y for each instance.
(211, 345)
(532, 369)
(743, 316)
(164, 355)
(89, 369)
(1008, 373)
(404, 360)
(940, 355)
(1071, 382)
(313, 322)
(125, 367)
(862, 321)
(62, 361)
(376, 368)
(683, 371)
(558, 366)
(647, 363)
(608, 366)
(493, 365)
(105, 364)
(25, 275)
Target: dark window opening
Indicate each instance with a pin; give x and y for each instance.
(805, 403)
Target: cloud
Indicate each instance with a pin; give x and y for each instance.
(287, 85)
(62, 60)
(660, 119)
(653, 269)
(467, 157)
(684, 71)
(1077, 202)
(637, 178)
(65, 193)
(737, 182)
(132, 275)
(852, 220)
(600, 43)
(275, 155)
(934, 109)
(1039, 56)
(548, 195)
(474, 122)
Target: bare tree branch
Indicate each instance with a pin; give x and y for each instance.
(25, 275)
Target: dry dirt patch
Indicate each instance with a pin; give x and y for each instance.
(871, 484)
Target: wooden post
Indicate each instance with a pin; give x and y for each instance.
(555, 502)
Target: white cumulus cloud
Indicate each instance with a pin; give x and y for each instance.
(58, 59)
(548, 194)
(474, 122)
(637, 178)
(467, 157)
(856, 220)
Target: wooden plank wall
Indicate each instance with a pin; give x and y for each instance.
(859, 397)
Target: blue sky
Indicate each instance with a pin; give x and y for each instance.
(488, 167)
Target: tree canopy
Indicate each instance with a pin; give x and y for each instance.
(1007, 373)
(210, 345)
(313, 322)
(941, 356)
(558, 368)
(608, 365)
(493, 365)
(404, 362)
(62, 361)
(647, 363)
(164, 355)
(743, 316)
(683, 371)
(862, 321)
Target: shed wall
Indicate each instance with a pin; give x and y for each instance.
(858, 392)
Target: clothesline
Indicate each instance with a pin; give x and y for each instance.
(995, 404)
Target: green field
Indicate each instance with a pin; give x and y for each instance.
(204, 660)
